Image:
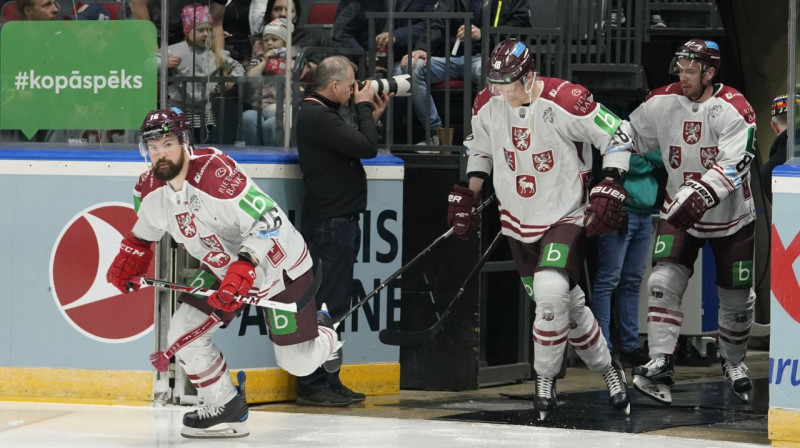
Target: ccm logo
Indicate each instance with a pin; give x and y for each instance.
(132, 250)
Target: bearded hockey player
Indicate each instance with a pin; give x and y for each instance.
(707, 133)
(536, 137)
(247, 246)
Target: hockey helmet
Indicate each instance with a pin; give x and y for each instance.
(781, 103)
(706, 52)
(160, 122)
(510, 61)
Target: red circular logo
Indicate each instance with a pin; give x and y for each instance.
(81, 256)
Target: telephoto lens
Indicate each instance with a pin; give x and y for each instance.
(400, 85)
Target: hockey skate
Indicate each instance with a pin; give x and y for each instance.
(220, 422)
(617, 387)
(544, 399)
(655, 379)
(333, 363)
(736, 375)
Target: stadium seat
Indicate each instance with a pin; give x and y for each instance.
(9, 12)
(322, 13)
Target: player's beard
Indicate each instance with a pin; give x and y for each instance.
(168, 172)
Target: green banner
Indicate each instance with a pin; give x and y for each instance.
(77, 74)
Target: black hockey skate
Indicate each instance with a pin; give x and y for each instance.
(617, 387)
(736, 374)
(655, 378)
(544, 399)
(333, 363)
(226, 421)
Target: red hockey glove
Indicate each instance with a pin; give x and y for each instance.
(237, 282)
(605, 213)
(691, 203)
(133, 259)
(462, 200)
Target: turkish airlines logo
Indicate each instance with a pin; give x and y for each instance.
(80, 259)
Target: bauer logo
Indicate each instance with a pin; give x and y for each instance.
(81, 256)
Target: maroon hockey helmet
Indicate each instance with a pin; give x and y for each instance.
(160, 122)
(510, 61)
(706, 52)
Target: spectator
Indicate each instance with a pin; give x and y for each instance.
(351, 27)
(151, 10)
(238, 30)
(621, 259)
(269, 59)
(335, 194)
(428, 59)
(777, 152)
(89, 11)
(37, 9)
(196, 56)
(301, 36)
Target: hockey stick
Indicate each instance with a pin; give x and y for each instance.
(405, 267)
(417, 337)
(307, 297)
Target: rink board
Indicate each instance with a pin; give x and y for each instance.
(58, 199)
(784, 362)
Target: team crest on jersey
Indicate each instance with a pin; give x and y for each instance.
(549, 115)
(216, 259)
(212, 242)
(526, 185)
(511, 159)
(186, 224)
(674, 156)
(521, 138)
(692, 130)
(194, 203)
(543, 161)
(714, 111)
(708, 156)
(276, 254)
(691, 175)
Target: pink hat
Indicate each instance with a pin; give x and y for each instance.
(193, 15)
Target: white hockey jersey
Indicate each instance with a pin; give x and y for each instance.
(541, 155)
(711, 142)
(219, 211)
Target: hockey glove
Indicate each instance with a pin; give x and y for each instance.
(605, 213)
(461, 202)
(691, 203)
(238, 280)
(133, 259)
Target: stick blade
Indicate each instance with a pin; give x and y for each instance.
(409, 338)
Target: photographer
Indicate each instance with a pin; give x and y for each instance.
(335, 193)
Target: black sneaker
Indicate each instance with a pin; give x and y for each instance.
(349, 393)
(633, 358)
(325, 397)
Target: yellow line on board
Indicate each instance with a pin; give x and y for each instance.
(784, 427)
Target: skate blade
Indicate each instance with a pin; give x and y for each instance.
(543, 415)
(627, 410)
(744, 396)
(221, 431)
(658, 392)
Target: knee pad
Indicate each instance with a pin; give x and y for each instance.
(666, 285)
(551, 289)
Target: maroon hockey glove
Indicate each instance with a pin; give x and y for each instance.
(237, 282)
(605, 213)
(462, 200)
(133, 259)
(691, 203)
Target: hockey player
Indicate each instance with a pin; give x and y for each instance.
(707, 133)
(247, 246)
(536, 137)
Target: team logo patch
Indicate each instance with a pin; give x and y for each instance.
(194, 203)
(708, 156)
(691, 175)
(692, 130)
(521, 137)
(212, 242)
(511, 159)
(220, 172)
(276, 255)
(216, 259)
(526, 185)
(675, 156)
(543, 161)
(186, 224)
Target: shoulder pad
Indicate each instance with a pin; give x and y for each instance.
(738, 101)
(481, 100)
(147, 184)
(573, 98)
(669, 89)
(216, 174)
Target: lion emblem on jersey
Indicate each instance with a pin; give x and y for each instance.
(708, 156)
(692, 130)
(549, 115)
(691, 175)
(186, 224)
(511, 159)
(543, 161)
(526, 185)
(216, 259)
(674, 156)
(212, 242)
(521, 137)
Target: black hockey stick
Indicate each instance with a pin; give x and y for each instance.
(418, 337)
(405, 267)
